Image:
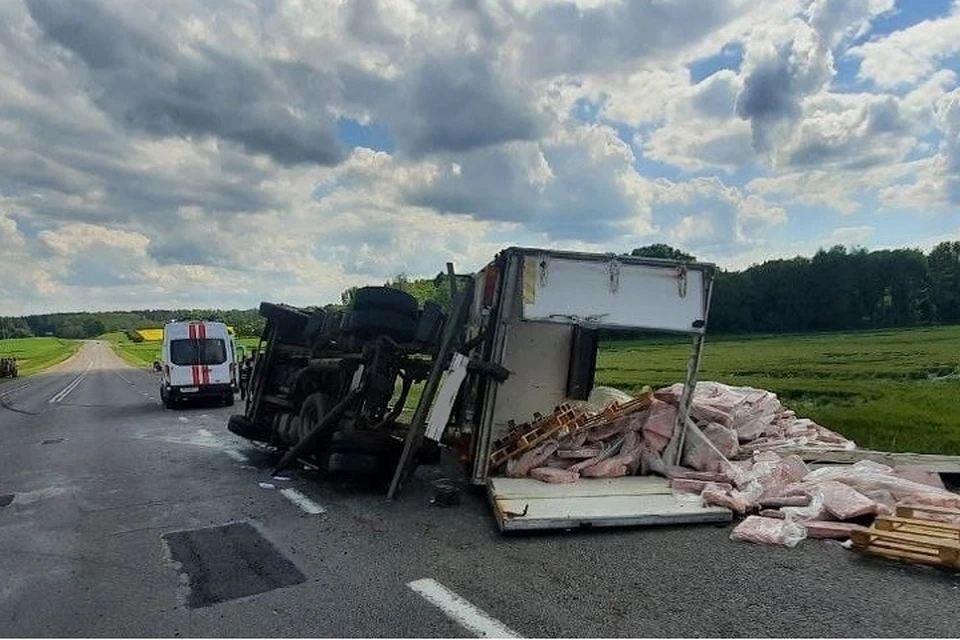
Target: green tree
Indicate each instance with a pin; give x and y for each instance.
(661, 250)
(944, 265)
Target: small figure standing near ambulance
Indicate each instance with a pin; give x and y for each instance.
(198, 360)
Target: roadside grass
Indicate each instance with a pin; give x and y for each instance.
(893, 390)
(36, 354)
(142, 354)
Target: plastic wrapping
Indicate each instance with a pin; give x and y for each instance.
(813, 511)
(760, 530)
(602, 397)
(825, 529)
(521, 466)
(723, 438)
(555, 476)
(843, 502)
(659, 427)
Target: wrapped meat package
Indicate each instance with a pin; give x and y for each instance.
(760, 530)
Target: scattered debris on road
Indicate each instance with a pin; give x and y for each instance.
(6, 499)
(730, 458)
(266, 485)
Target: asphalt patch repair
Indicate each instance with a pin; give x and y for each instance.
(229, 561)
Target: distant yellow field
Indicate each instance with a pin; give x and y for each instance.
(156, 335)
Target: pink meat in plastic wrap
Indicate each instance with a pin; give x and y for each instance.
(734, 500)
(724, 439)
(826, 529)
(843, 502)
(920, 476)
(658, 429)
(696, 486)
(700, 454)
(558, 463)
(775, 502)
(709, 476)
(575, 441)
(581, 453)
(609, 468)
(521, 466)
(772, 513)
(768, 531)
(607, 430)
(555, 476)
(706, 412)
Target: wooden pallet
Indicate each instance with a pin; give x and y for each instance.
(911, 537)
(557, 424)
(564, 421)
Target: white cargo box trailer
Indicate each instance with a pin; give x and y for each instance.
(538, 311)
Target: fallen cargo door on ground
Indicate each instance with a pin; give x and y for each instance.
(521, 504)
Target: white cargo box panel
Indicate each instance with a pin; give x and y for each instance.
(521, 504)
(614, 292)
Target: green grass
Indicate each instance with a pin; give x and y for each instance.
(142, 354)
(37, 354)
(895, 390)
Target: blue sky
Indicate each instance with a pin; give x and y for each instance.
(217, 155)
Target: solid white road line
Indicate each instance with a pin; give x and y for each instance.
(302, 501)
(70, 387)
(460, 611)
(237, 456)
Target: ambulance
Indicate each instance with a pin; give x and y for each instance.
(198, 360)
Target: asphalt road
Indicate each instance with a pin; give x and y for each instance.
(109, 489)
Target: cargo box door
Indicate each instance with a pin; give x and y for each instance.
(525, 504)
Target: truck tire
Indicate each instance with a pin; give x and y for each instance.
(366, 442)
(228, 399)
(354, 464)
(370, 323)
(315, 406)
(244, 427)
(383, 298)
(314, 324)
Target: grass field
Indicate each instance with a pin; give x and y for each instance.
(142, 354)
(896, 390)
(36, 354)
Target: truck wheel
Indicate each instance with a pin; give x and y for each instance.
(384, 298)
(369, 323)
(354, 464)
(228, 399)
(315, 406)
(245, 428)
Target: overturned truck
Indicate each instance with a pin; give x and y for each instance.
(520, 341)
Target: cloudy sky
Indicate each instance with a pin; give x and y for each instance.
(223, 152)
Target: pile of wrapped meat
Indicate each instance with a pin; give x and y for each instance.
(787, 502)
(726, 423)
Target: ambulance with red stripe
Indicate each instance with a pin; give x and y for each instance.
(198, 361)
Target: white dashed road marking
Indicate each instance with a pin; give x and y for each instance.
(460, 611)
(237, 456)
(302, 501)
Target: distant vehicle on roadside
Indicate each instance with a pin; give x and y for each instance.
(198, 360)
(8, 368)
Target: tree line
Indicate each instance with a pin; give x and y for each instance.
(246, 322)
(836, 289)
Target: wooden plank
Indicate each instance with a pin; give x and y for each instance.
(931, 528)
(528, 488)
(925, 461)
(917, 511)
(604, 511)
